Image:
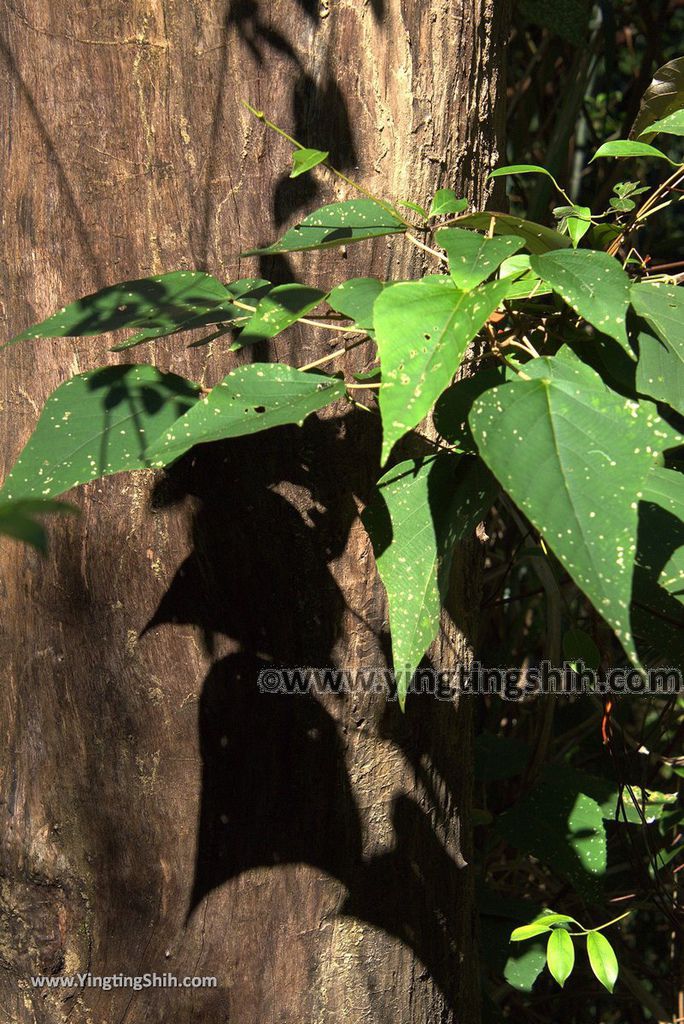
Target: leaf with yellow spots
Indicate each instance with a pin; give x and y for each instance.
(157, 306)
(96, 424)
(573, 455)
(337, 224)
(279, 309)
(250, 399)
(472, 257)
(593, 284)
(419, 512)
(423, 329)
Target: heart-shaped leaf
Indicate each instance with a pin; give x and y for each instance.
(595, 450)
(446, 201)
(420, 510)
(251, 398)
(337, 224)
(473, 257)
(96, 424)
(279, 309)
(538, 238)
(423, 329)
(593, 284)
(355, 299)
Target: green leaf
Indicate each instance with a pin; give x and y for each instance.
(355, 299)
(560, 955)
(538, 238)
(594, 285)
(454, 405)
(96, 424)
(664, 95)
(446, 201)
(673, 124)
(524, 282)
(416, 207)
(159, 304)
(501, 172)
(595, 451)
(660, 370)
(602, 959)
(304, 159)
(279, 309)
(17, 520)
(423, 329)
(561, 827)
(579, 222)
(473, 257)
(523, 969)
(251, 398)
(335, 225)
(421, 509)
(578, 646)
(540, 925)
(628, 147)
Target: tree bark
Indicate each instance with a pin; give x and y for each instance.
(159, 814)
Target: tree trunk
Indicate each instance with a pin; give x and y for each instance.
(159, 813)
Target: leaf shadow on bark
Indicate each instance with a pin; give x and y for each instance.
(271, 517)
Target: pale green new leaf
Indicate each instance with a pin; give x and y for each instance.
(305, 159)
(602, 959)
(279, 309)
(593, 284)
(446, 201)
(626, 148)
(421, 509)
(473, 257)
(560, 955)
(96, 424)
(250, 399)
(423, 329)
(540, 925)
(337, 224)
(573, 455)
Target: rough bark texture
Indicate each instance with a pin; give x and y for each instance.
(158, 813)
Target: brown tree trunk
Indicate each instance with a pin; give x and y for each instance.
(159, 814)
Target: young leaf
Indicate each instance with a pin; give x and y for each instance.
(335, 225)
(664, 95)
(595, 451)
(160, 304)
(251, 398)
(538, 238)
(501, 172)
(673, 124)
(355, 299)
(560, 955)
(628, 147)
(96, 424)
(279, 309)
(446, 201)
(472, 257)
(540, 925)
(594, 285)
(17, 520)
(423, 329)
(420, 511)
(416, 207)
(305, 159)
(602, 959)
(579, 222)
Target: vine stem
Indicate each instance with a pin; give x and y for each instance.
(303, 320)
(332, 355)
(666, 186)
(260, 115)
(586, 931)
